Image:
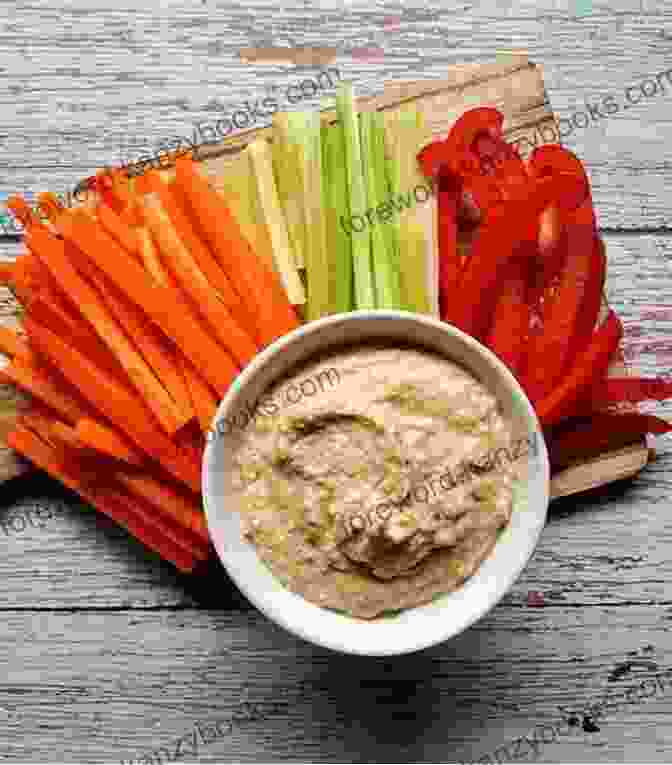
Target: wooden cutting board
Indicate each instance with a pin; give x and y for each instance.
(513, 85)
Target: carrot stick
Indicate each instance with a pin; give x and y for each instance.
(53, 253)
(201, 254)
(150, 256)
(50, 205)
(164, 304)
(32, 377)
(6, 272)
(590, 366)
(12, 344)
(66, 434)
(51, 309)
(115, 227)
(257, 284)
(106, 440)
(150, 342)
(203, 400)
(194, 283)
(111, 503)
(168, 500)
(577, 441)
(22, 211)
(113, 400)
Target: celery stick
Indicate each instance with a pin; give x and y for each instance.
(238, 187)
(273, 218)
(382, 197)
(405, 135)
(288, 177)
(386, 275)
(361, 255)
(319, 272)
(335, 187)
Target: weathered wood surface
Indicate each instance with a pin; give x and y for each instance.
(108, 654)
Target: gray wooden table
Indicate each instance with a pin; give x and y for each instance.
(108, 655)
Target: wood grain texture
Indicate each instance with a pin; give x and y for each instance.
(107, 654)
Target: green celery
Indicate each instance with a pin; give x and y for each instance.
(386, 275)
(365, 296)
(273, 219)
(287, 164)
(320, 275)
(335, 200)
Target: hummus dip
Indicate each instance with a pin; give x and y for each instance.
(380, 492)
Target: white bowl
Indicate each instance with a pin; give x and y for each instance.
(414, 628)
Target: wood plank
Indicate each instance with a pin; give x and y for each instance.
(125, 685)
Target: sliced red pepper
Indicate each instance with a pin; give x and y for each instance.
(618, 390)
(551, 159)
(570, 311)
(508, 334)
(577, 441)
(568, 317)
(455, 152)
(450, 267)
(591, 365)
(509, 229)
(474, 152)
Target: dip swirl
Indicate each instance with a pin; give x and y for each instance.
(381, 492)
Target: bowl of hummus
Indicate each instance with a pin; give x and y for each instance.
(375, 482)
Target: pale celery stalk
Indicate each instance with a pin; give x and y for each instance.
(385, 273)
(318, 268)
(287, 164)
(361, 254)
(405, 135)
(335, 200)
(390, 233)
(272, 217)
(238, 187)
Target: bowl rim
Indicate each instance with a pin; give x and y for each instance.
(503, 585)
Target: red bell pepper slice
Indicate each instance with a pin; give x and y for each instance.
(508, 335)
(568, 315)
(450, 267)
(509, 229)
(592, 364)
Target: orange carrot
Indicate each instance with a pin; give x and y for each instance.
(66, 434)
(163, 304)
(201, 254)
(150, 342)
(12, 344)
(50, 205)
(203, 399)
(40, 383)
(52, 309)
(53, 253)
(106, 440)
(113, 504)
(150, 256)
(113, 400)
(6, 272)
(191, 279)
(22, 211)
(170, 500)
(115, 227)
(257, 284)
